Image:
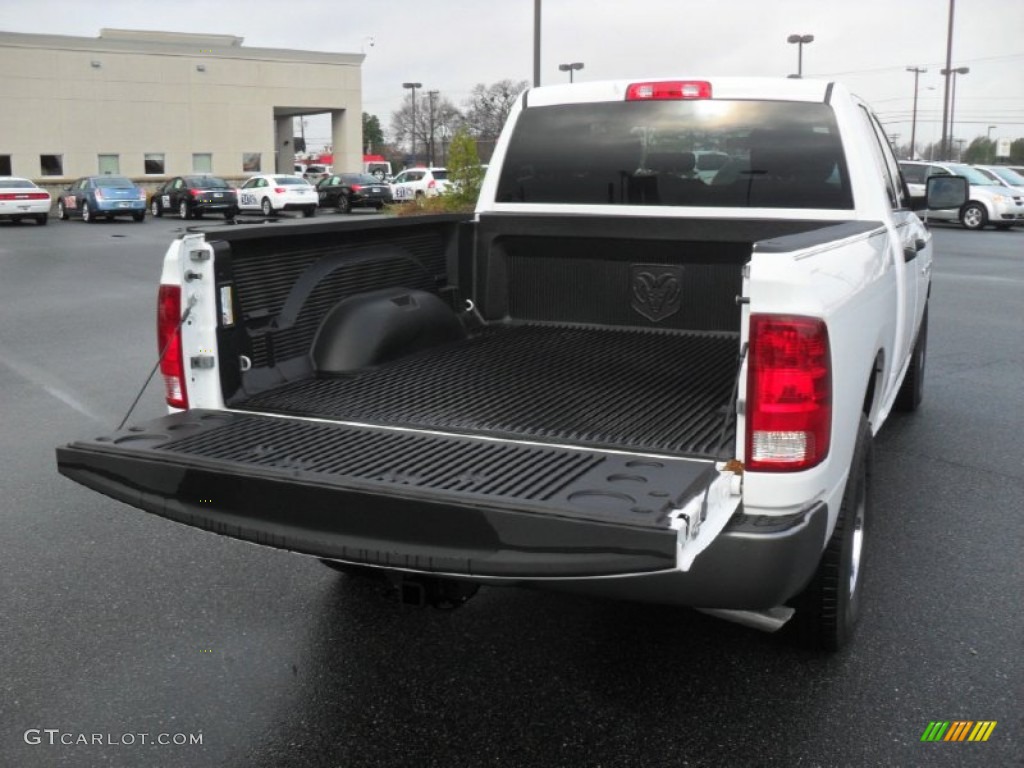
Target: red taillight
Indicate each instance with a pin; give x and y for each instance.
(669, 90)
(168, 339)
(195, 192)
(789, 393)
(431, 184)
(280, 190)
(25, 196)
(356, 187)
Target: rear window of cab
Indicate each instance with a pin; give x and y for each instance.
(679, 153)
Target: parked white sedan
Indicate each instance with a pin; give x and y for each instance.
(269, 194)
(21, 199)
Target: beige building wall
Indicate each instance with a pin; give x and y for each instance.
(132, 93)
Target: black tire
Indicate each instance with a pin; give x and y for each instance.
(62, 212)
(42, 218)
(344, 205)
(155, 208)
(309, 211)
(828, 608)
(140, 216)
(230, 213)
(87, 215)
(911, 393)
(267, 207)
(974, 216)
(184, 211)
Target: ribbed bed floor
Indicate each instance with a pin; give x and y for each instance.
(653, 391)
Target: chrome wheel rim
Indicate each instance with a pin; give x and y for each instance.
(857, 543)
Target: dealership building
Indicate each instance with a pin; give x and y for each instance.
(149, 105)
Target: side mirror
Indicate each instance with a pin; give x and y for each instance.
(942, 193)
(946, 192)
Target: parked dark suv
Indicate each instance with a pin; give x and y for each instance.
(192, 196)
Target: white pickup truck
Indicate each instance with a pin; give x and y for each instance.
(620, 376)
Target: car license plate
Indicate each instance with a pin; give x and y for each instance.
(124, 205)
(218, 194)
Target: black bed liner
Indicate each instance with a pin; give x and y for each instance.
(634, 389)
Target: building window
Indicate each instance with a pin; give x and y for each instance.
(5, 165)
(202, 162)
(154, 163)
(250, 162)
(109, 164)
(51, 165)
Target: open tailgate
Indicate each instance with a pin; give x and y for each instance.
(399, 498)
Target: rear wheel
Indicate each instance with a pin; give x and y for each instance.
(344, 204)
(231, 213)
(155, 209)
(42, 218)
(62, 212)
(828, 608)
(87, 214)
(140, 216)
(912, 390)
(184, 211)
(266, 207)
(974, 216)
(309, 211)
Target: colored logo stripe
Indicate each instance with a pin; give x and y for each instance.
(982, 730)
(958, 730)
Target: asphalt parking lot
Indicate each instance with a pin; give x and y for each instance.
(114, 622)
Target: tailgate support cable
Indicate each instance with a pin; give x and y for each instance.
(729, 411)
(160, 359)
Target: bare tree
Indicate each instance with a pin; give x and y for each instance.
(489, 105)
(445, 113)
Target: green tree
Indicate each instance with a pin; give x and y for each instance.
(1017, 152)
(981, 150)
(373, 136)
(464, 171)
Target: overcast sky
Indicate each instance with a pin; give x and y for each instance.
(450, 45)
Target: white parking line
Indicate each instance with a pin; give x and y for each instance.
(50, 384)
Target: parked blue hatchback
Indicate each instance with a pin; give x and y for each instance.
(97, 197)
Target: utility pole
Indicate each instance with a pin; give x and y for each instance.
(945, 150)
(918, 71)
(431, 95)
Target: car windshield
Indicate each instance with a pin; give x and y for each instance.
(1009, 175)
(769, 154)
(113, 181)
(290, 181)
(973, 175)
(16, 184)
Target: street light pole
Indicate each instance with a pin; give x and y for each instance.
(800, 41)
(570, 68)
(536, 43)
(913, 123)
(412, 87)
(952, 101)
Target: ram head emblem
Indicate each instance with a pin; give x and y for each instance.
(656, 290)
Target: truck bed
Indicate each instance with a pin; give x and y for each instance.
(638, 389)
